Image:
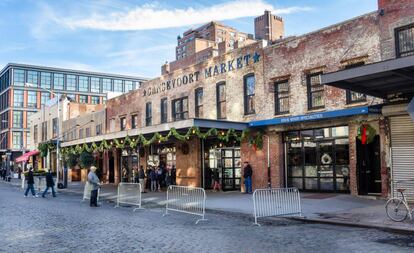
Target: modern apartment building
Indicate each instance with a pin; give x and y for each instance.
(24, 89)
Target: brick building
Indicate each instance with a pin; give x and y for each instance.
(315, 137)
(268, 27)
(391, 78)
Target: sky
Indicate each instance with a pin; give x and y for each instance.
(135, 37)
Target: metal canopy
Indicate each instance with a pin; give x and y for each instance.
(384, 79)
(179, 125)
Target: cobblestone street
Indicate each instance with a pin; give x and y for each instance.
(64, 224)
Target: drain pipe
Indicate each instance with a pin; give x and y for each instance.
(269, 183)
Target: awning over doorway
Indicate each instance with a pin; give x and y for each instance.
(26, 156)
(384, 79)
(317, 116)
(182, 124)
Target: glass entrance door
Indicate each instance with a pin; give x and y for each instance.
(231, 169)
(318, 159)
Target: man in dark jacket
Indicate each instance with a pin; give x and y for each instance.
(49, 184)
(247, 175)
(30, 183)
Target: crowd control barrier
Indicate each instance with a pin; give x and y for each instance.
(184, 199)
(129, 194)
(87, 192)
(276, 202)
(40, 183)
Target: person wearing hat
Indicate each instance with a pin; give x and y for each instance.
(94, 181)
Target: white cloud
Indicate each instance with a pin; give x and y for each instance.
(152, 16)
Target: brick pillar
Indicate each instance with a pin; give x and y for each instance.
(384, 145)
(353, 131)
(116, 165)
(258, 161)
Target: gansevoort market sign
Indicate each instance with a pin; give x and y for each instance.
(210, 71)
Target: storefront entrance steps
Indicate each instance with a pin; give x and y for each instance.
(340, 209)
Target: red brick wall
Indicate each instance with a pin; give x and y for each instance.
(258, 161)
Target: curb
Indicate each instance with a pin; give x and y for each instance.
(354, 224)
(302, 219)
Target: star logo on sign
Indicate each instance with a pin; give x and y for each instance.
(256, 57)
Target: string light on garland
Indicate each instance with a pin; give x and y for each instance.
(253, 139)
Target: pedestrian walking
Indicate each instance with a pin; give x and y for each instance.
(247, 175)
(216, 179)
(159, 177)
(30, 183)
(94, 181)
(141, 178)
(49, 184)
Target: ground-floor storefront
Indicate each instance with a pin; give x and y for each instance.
(344, 154)
(326, 153)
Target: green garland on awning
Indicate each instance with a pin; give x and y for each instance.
(45, 147)
(254, 139)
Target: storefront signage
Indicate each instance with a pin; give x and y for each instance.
(317, 116)
(208, 72)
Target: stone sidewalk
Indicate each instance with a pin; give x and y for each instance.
(340, 209)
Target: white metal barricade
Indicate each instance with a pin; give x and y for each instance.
(129, 194)
(276, 202)
(40, 183)
(87, 192)
(184, 199)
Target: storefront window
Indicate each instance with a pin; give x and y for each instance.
(318, 159)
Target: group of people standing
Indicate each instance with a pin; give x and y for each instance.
(154, 178)
(160, 176)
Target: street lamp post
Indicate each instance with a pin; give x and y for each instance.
(58, 126)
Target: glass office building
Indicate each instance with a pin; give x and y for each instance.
(25, 88)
